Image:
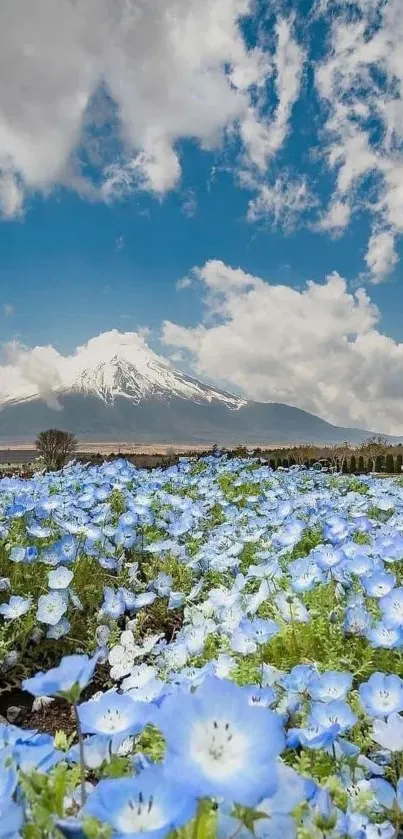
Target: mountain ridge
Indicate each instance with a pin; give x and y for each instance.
(147, 400)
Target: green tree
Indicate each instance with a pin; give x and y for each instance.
(55, 447)
(353, 464)
(379, 463)
(389, 463)
(399, 463)
(361, 465)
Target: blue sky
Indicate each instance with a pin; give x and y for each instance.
(196, 141)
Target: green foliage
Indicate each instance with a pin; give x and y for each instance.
(45, 795)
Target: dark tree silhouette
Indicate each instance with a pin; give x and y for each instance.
(55, 446)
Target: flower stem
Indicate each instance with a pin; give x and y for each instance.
(81, 752)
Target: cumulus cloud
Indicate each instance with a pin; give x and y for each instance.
(156, 72)
(38, 368)
(318, 348)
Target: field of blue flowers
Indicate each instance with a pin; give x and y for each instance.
(227, 641)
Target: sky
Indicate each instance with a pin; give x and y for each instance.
(223, 179)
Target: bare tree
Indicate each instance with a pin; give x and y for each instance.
(303, 453)
(374, 447)
(55, 446)
(339, 454)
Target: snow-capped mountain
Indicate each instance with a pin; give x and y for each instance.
(116, 388)
(119, 366)
(152, 377)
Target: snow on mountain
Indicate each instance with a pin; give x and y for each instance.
(151, 377)
(110, 366)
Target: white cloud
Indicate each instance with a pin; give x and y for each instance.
(318, 348)
(336, 219)
(283, 202)
(360, 81)
(381, 256)
(184, 282)
(172, 69)
(264, 129)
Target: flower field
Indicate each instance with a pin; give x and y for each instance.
(210, 650)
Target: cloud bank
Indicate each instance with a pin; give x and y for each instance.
(317, 348)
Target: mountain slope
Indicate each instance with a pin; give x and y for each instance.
(139, 397)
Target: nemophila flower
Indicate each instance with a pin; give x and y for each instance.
(17, 554)
(312, 736)
(4, 583)
(219, 744)
(37, 753)
(333, 684)
(356, 620)
(51, 607)
(60, 578)
(299, 678)
(305, 575)
(387, 796)
(16, 607)
(38, 530)
(68, 679)
(114, 713)
(335, 712)
(335, 529)
(275, 819)
(382, 695)
(392, 607)
(163, 584)
(144, 599)
(379, 584)
(114, 604)
(149, 804)
(59, 629)
(326, 557)
(291, 609)
(289, 534)
(176, 599)
(259, 629)
(389, 733)
(11, 820)
(384, 636)
(263, 697)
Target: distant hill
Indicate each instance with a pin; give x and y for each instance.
(147, 401)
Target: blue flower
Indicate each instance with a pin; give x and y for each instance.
(259, 629)
(60, 578)
(336, 712)
(219, 744)
(71, 676)
(150, 804)
(333, 684)
(389, 733)
(51, 607)
(382, 695)
(392, 607)
(16, 607)
(114, 604)
(382, 635)
(379, 584)
(114, 713)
